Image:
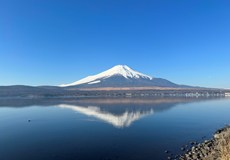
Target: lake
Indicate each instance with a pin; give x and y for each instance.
(106, 129)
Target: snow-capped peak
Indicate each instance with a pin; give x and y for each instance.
(124, 71)
(121, 70)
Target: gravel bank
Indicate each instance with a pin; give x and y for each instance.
(218, 148)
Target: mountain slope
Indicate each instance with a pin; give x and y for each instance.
(120, 76)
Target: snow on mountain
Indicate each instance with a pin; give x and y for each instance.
(119, 70)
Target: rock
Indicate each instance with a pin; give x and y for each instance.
(213, 149)
(192, 143)
(166, 151)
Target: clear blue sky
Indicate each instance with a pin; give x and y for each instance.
(50, 42)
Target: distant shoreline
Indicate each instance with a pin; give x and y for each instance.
(65, 92)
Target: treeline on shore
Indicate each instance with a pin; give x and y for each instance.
(49, 92)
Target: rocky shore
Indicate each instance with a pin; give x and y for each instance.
(218, 148)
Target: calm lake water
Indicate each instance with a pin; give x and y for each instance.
(106, 129)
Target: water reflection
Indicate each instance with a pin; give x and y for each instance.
(124, 119)
(151, 126)
(120, 112)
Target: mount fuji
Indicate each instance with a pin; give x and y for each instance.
(121, 76)
(120, 80)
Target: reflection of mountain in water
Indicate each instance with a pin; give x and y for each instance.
(122, 120)
(122, 112)
(118, 112)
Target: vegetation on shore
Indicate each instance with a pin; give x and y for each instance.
(218, 148)
(223, 145)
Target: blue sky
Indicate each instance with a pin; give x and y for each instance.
(50, 42)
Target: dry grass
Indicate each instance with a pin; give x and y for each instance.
(217, 148)
(224, 145)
